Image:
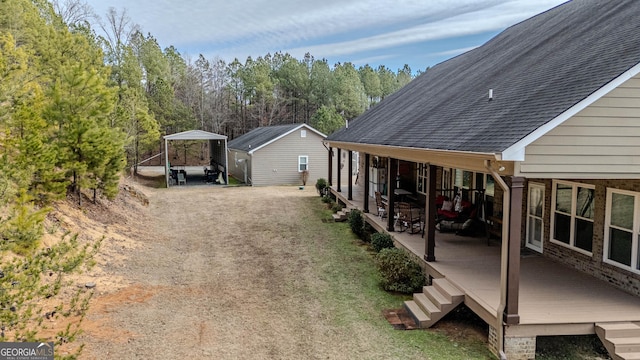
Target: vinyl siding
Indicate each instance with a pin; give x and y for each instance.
(602, 141)
(277, 163)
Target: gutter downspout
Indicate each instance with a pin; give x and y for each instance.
(504, 254)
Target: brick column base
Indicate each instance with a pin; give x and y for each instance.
(520, 348)
(515, 348)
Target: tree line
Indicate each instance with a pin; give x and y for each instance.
(81, 97)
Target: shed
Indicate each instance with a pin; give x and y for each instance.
(217, 150)
(278, 155)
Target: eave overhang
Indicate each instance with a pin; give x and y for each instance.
(472, 161)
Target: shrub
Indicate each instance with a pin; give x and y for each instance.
(356, 222)
(381, 241)
(367, 231)
(335, 207)
(399, 272)
(321, 186)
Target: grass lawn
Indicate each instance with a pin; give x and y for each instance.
(351, 292)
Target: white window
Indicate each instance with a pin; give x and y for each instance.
(572, 215)
(622, 225)
(423, 171)
(535, 216)
(303, 163)
(303, 133)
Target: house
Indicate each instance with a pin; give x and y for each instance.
(540, 125)
(278, 155)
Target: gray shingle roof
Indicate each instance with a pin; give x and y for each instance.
(260, 136)
(537, 69)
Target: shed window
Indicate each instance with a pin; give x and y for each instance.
(572, 215)
(303, 163)
(303, 133)
(622, 229)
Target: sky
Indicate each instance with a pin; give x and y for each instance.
(419, 33)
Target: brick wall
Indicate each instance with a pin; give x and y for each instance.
(520, 348)
(593, 265)
(493, 341)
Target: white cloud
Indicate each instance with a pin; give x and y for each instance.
(325, 28)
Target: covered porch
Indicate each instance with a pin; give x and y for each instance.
(553, 298)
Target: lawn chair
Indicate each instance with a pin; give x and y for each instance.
(182, 179)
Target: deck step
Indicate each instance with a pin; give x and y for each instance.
(447, 289)
(342, 215)
(426, 304)
(622, 340)
(630, 356)
(626, 345)
(338, 217)
(434, 302)
(623, 329)
(413, 309)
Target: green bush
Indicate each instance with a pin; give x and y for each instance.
(356, 222)
(321, 186)
(335, 207)
(399, 272)
(381, 241)
(367, 231)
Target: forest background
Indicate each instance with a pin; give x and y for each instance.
(82, 96)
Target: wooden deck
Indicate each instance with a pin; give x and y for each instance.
(554, 299)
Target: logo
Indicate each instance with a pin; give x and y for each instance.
(26, 351)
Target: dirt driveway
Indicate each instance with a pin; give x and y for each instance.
(210, 274)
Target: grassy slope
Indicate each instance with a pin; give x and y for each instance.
(349, 287)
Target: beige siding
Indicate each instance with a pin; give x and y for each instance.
(277, 163)
(600, 141)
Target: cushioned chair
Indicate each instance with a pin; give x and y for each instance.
(409, 218)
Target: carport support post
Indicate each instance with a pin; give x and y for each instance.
(339, 189)
(430, 216)
(391, 190)
(350, 188)
(366, 182)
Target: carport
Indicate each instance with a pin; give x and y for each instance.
(217, 150)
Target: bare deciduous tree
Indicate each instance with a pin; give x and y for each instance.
(73, 11)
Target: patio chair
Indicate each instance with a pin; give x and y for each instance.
(381, 205)
(182, 179)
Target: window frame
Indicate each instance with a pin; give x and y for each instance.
(533, 185)
(422, 178)
(572, 233)
(300, 157)
(635, 231)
